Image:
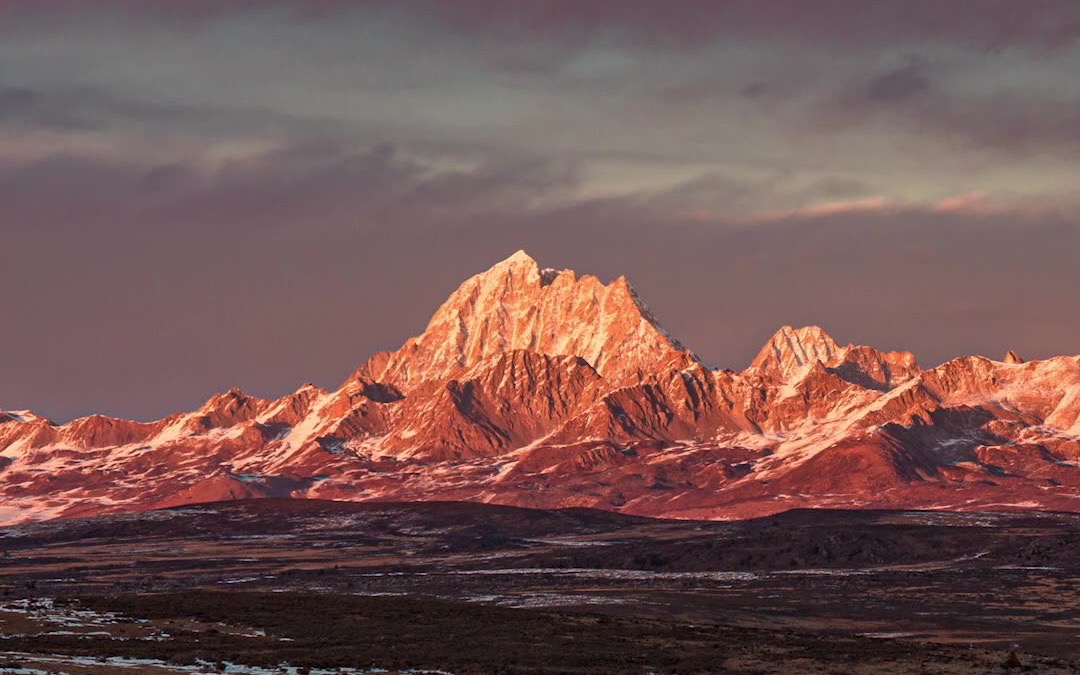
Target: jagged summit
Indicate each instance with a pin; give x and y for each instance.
(520, 263)
(514, 306)
(519, 256)
(792, 349)
(796, 353)
(1012, 357)
(225, 399)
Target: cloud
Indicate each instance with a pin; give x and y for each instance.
(902, 84)
(93, 109)
(967, 204)
(275, 190)
(1005, 119)
(141, 289)
(631, 88)
(1044, 24)
(873, 205)
(206, 194)
(972, 202)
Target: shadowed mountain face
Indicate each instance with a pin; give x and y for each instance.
(538, 387)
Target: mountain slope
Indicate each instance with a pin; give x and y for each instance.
(517, 306)
(541, 388)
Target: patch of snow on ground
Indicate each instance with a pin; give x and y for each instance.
(46, 609)
(202, 667)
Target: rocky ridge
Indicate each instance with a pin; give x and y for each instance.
(541, 388)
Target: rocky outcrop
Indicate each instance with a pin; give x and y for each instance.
(498, 405)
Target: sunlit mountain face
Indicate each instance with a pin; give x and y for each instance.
(206, 197)
(202, 195)
(543, 388)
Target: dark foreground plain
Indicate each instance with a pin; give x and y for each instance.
(267, 586)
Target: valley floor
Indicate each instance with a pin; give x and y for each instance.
(268, 586)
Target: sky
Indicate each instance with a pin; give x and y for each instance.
(198, 195)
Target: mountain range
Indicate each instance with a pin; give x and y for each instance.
(541, 388)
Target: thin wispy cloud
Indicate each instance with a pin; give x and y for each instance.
(231, 183)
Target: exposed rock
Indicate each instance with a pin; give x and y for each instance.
(513, 307)
(541, 388)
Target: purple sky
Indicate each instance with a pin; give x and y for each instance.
(199, 195)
